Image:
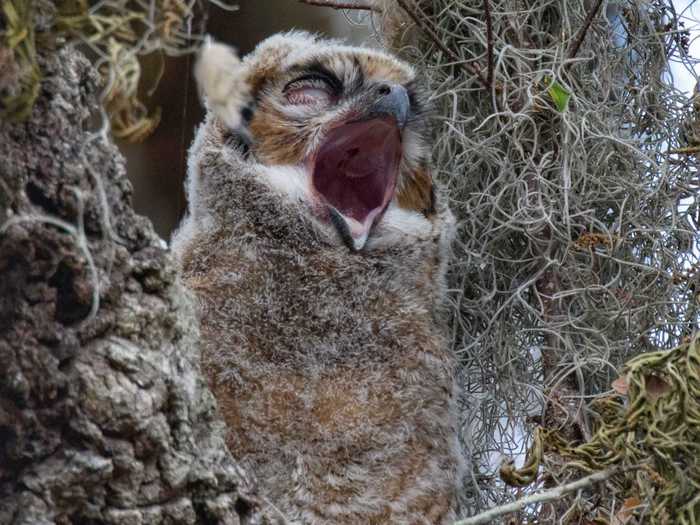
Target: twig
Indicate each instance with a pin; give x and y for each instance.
(360, 5)
(489, 43)
(573, 50)
(547, 495)
(685, 151)
(436, 40)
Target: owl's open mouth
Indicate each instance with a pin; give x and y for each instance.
(355, 172)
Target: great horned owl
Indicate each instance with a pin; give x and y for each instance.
(316, 247)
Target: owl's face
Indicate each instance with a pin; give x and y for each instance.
(351, 120)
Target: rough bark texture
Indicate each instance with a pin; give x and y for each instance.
(104, 416)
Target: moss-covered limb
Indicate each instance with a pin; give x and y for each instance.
(116, 33)
(648, 432)
(104, 415)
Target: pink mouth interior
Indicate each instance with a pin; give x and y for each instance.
(357, 165)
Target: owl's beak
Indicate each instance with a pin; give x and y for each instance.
(393, 102)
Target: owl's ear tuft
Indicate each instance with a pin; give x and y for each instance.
(222, 80)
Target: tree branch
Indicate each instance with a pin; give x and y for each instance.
(436, 40)
(359, 5)
(685, 151)
(489, 43)
(105, 414)
(573, 50)
(540, 497)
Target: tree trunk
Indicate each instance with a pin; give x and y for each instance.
(104, 414)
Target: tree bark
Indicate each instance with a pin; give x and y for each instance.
(104, 414)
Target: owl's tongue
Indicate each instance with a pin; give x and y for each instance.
(355, 172)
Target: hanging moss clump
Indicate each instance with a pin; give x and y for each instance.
(113, 34)
(648, 432)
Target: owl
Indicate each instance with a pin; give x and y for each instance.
(316, 246)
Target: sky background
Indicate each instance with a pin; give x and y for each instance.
(689, 10)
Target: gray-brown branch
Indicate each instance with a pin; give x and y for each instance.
(553, 494)
(581, 35)
(423, 24)
(359, 5)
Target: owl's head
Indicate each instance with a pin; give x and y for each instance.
(350, 121)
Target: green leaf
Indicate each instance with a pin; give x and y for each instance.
(559, 94)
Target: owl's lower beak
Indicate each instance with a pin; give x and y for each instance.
(353, 232)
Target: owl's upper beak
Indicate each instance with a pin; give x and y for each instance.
(393, 101)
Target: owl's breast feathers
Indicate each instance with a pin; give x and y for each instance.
(333, 375)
